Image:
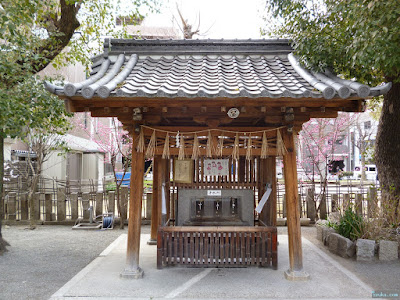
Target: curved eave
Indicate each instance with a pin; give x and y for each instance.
(251, 76)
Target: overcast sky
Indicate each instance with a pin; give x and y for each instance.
(221, 18)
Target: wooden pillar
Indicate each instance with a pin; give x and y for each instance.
(132, 269)
(156, 200)
(163, 217)
(295, 272)
(242, 169)
(166, 182)
(268, 175)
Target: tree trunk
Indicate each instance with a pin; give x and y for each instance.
(3, 243)
(387, 151)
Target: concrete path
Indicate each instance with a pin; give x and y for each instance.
(101, 278)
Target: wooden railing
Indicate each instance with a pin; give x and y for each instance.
(222, 246)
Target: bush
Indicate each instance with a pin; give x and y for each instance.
(350, 225)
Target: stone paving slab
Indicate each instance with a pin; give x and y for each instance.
(101, 278)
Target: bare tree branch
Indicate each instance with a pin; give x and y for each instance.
(58, 39)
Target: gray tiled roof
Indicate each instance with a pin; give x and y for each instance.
(210, 69)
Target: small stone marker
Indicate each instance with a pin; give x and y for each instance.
(48, 206)
(74, 206)
(311, 205)
(388, 250)
(365, 249)
(319, 232)
(24, 207)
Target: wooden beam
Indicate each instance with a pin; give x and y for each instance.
(273, 119)
(295, 271)
(69, 107)
(206, 128)
(156, 200)
(218, 102)
(268, 176)
(225, 152)
(166, 164)
(325, 114)
(132, 269)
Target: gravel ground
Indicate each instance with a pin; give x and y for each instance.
(41, 261)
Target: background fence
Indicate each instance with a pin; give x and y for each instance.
(363, 197)
(60, 200)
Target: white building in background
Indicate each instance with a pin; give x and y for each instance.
(347, 154)
(85, 160)
(8, 147)
(365, 128)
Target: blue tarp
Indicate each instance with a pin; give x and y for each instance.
(126, 180)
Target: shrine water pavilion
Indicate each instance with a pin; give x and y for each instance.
(214, 115)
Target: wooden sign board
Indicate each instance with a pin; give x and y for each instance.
(183, 171)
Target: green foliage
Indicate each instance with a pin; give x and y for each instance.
(33, 33)
(28, 106)
(331, 224)
(356, 38)
(350, 225)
